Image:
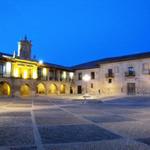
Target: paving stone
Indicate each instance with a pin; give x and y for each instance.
(139, 115)
(50, 113)
(59, 120)
(144, 140)
(100, 145)
(15, 121)
(110, 118)
(15, 113)
(24, 148)
(131, 129)
(74, 133)
(19, 105)
(60, 130)
(84, 111)
(16, 136)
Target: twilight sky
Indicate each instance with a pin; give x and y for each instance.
(69, 32)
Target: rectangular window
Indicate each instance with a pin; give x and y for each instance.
(130, 69)
(92, 75)
(1, 69)
(39, 72)
(80, 76)
(116, 69)
(51, 74)
(110, 71)
(145, 67)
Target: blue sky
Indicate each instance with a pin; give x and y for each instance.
(69, 32)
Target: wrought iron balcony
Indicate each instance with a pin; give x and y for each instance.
(130, 74)
(109, 75)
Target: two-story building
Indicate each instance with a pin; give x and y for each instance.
(125, 75)
(22, 76)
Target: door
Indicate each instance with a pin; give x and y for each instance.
(131, 88)
(79, 89)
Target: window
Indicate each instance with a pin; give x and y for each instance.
(80, 76)
(39, 72)
(51, 74)
(145, 67)
(92, 85)
(109, 80)
(92, 75)
(110, 71)
(130, 69)
(1, 69)
(116, 69)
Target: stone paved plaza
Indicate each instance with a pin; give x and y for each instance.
(53, 124)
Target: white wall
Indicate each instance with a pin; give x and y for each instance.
(119, 82)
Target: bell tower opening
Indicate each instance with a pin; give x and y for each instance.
(24, 48)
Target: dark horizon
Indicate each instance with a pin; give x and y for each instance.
(70, 33)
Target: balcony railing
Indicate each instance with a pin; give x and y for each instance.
(130, 74)
(109, 75)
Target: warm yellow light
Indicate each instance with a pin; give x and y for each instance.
(34, 75)
(25, 74)
(62, 89)
(16, 72)
(40, 88)
(44, 71)
(64, 75)
(53, 89)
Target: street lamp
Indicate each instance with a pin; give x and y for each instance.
(40, 62)
(86, 78)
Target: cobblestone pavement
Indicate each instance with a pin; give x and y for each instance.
(46, 124)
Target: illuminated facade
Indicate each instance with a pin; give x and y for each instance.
(22, 76)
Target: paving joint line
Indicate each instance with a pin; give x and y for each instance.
(38, 141)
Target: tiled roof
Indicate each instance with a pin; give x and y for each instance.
(96, 63)
(45, 63)
(58, 66)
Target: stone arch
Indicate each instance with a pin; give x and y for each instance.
(52, 89)
(62, 89)
(25, 90)
(5, 89)
(40, 88)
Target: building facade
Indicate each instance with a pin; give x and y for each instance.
(126, 75)
(22, 76)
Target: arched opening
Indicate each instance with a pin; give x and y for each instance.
(52, 89)
(25, 90)
(5, 89)
(40, 89)
(62, 89)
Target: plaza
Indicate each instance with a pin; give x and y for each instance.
(44, 123)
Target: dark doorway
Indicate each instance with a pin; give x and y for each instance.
(79, 90)
(131, 88)
(71, 90)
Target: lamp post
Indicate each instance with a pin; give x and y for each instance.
(86, 79)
